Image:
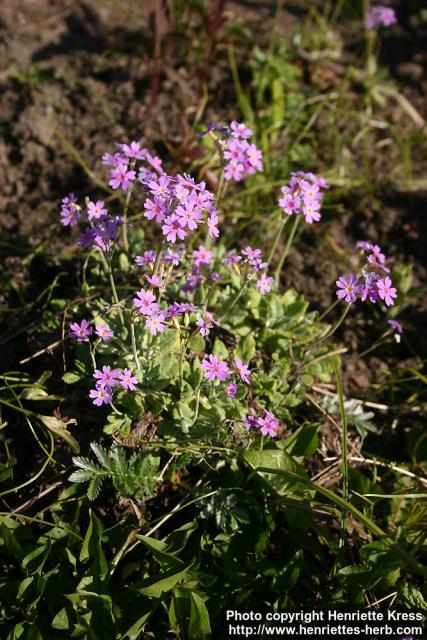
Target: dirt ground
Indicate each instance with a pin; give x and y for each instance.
(83, 74)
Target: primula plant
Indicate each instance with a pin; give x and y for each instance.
(188, 349)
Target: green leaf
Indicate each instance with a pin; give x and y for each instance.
(91, 548)
(197, 343)
(94, 487)
(220, 350)
(62, 620)
(199, 626)
(157, 586)
(279, 460)
(246, 348)
(71, 377)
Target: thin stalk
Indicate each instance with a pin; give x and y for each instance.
(158, 257)
(336, 325)
(287, 248)
(344, 450)
(107, 266)
(277, 238)
(225, 314)
(134, 349)
(125, 221)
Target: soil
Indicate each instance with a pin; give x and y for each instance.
(78, 75)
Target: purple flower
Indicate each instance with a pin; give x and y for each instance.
(379, 15)
(212, 223)
(80, 331)
(145, 302)
(133, 150)
(242, 371)
(103, 331)
(251, 422)
(254, 157)
(269, 424)
(155, 208)
(154, 323)
(394, 324)
(386, 291)
(113, 159)
(96, 210)
(173, 229)
(70, 211)
(160, 187)
(121, 177)
(188, 215)
(101, 395)
(172, 257)
(240, 130)
(128, 380)
(348, 288)
(231, 389)
(234, 170)
(377, 253)
(206, 323)
(154, 281)
(215, 369)
(107, 377)
(264, 284)
(148, 257)
(202, 256)
(310, 210)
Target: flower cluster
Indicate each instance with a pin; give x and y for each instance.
(81, 331)
(70, 211)
(242, 158)
(303, 195)
(106, 380)
(379, 15)
(215, 369)
(252, 261)
(103, 230)
(267, 424)
(374, 282)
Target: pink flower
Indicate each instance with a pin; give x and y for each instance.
(103, 331)
(128, 380)
(159, 187)
(107, 377)
(154, 281)
(145, 302)
(156, 208)
(96, 210)
(133, 150)
(347, 288)
(149, 257)
(188, 215)
(386, 291)
(101, 395)
(231, 389)
(202, 256)
(264, 284)
(155, 323)
(80, 331)
(240, 130)
(121, 177)
(206, 323)
(215, 369)
(394, 324)
(242, 370)
(173, 229)
(269, 424)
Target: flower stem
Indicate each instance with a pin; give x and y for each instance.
(125, 221)
(336, 325)
(277, 238)
(344, 467)
(286, 251)
(134, 349)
